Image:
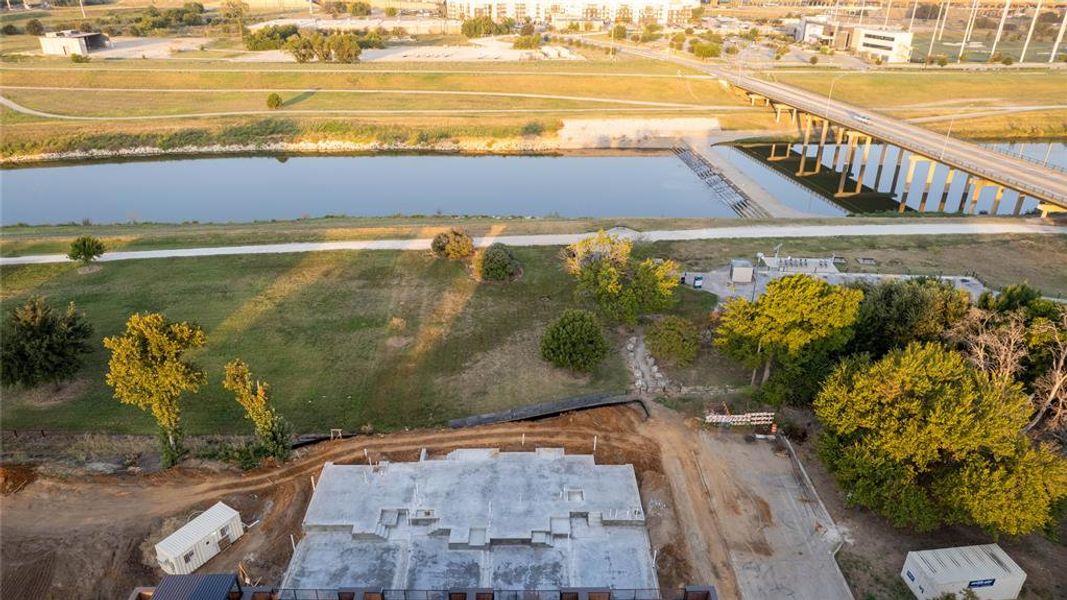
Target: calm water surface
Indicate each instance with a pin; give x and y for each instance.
(260, 188)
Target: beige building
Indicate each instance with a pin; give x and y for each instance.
(552, 11)
(890, 45)
(66, 43)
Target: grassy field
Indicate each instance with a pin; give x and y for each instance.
(936, 92)
(400, 339)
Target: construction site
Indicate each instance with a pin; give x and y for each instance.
(656, 500)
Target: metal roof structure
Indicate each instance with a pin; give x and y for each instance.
(206, 523)
(195, 587)
(967, 562)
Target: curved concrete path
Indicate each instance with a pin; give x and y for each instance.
(712, 233)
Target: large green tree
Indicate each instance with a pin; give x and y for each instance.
(622, 288)
(796, 324)
(926, 440)
(149, 369)
(897, 312)
(41, 344)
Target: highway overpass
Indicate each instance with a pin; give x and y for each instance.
(985, 167)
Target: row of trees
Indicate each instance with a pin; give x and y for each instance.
(336, 47)
(149, 369)
(926, 400)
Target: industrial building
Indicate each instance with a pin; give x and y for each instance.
(567, 11)
(196, 542)
(68, 42)
(477, 518)
(985, 570)
(888, 44)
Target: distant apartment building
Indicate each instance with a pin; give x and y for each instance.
(889, 45)
(551, 11)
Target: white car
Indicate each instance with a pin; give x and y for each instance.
(861, 118)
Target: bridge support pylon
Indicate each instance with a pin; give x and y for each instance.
(945, 189)
(850, 158)
(774, 157)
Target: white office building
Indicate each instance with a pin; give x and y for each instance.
(542, 11)
(890, 45)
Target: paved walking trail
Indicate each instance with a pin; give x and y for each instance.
(713, 233)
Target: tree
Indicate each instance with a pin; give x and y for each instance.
(706, 50)
(34, 27)
(497, 263)
(344, 47)
(148, 370)
(272, 431)
(622, 288)
(42, 345)
(235, 11)
(527, 29)
(926, 440)
(86, 249)
(527, 42)
(390, 11)
(574, 341)
(301, 48)
(359, 9)
(618, 32)
(482, 26)
(674, 338)
(798, 318)
(454, 244)
(274, 101)
(897, 312)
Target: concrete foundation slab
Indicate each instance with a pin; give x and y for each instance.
(476, 518)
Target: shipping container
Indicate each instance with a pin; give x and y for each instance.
(985, 570)
(211, 532)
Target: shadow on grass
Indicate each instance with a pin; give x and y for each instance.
(302, 96)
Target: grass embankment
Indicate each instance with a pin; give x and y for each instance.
(22, 240)
(935, 92)
(399, 339)
(316, 96)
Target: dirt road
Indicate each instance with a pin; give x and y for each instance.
(93, 536)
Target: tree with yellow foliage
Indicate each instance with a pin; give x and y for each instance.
(272, 431)
(621, 287)
(148, 369)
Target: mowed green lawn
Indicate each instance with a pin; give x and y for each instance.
(394, 339)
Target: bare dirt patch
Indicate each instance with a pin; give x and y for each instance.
(87, 269)
(48, 394)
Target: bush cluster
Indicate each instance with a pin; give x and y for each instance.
(574, 341)
(454, 244)
(497, 263)
(674, 338)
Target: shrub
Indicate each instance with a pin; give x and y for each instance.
(86, 248)
(497, 263)
(34, 27)
(79, 58)
(271, 37)
(574, 341)
(707, 50)
(533, 128)
(274, 101)
(359, 9)
(674, 338)
(527, 42)
(453, 244)
(814, 60)
(42, 344)
(1007, 60)
(10, 29)
(390, 11)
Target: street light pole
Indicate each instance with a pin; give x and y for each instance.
(948, 132)
(831, 93)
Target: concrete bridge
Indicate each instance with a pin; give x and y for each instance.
(817, 118)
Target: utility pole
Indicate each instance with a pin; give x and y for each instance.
(1000, 28)
(1030, 33)
(81, 3)
(1059, 39)
(941, 32)
(930, 50)
(914, 9)
(885, 22)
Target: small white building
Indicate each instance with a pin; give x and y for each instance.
(741, 271)
(68, 42)
(890, 45)
(211, 532)
(985, 570)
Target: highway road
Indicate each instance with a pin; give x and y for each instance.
(1030, 178)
